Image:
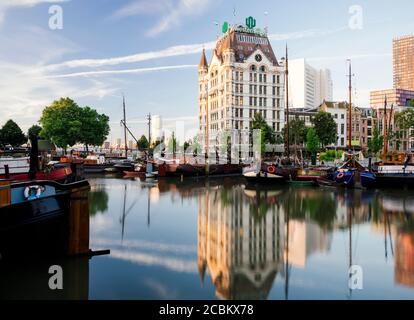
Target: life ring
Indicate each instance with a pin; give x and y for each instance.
(28, 195)
(340, 175)
(271, 169)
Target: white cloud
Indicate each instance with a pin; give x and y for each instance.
(139, 57)
(179, 50)
(143, 7)
(127, 71)
(172, 13)
(8, 4)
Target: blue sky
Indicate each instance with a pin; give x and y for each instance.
(148, 49)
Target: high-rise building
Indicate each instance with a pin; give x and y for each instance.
(308, 87)
(156, 128)
(244, 78)
(403, 62)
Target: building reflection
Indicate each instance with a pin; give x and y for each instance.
(398, 224)
(249, 237)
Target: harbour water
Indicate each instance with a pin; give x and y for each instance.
(221, 239)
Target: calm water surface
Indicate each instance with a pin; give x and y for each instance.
(221, 239)
(208, 239)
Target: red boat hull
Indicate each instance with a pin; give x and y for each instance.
(56, 175)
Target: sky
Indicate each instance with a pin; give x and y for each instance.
(148, 50)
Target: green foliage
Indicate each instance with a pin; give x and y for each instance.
(61, 122)
(65, 124)
(267, 135)
(376, 143)
(330, 155)
(260, 123)
(143, 143)
(98, 201)
(94, 127)
(325, 127)
(11, 134)
(297, 132)
(312, 141)
(405, 119)
(34, 130)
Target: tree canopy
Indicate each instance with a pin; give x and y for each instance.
(143, 143)
(325, 127)
(65, 124)
(34, 130)
(260, 123)
(376, 143)
(11, 134)
(297, 132)
(312, 141)
(94, 127)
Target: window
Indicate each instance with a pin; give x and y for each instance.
(342, 128)
(274, 78)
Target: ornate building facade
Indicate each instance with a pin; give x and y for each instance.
(243, 78)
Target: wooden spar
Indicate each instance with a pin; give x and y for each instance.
(385, 151)
(125, 128)
(287, 103)
(389, 121)
(350, 109)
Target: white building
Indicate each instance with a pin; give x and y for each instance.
(156, 128)
(244, 77)
(339, 111)
(308, 87)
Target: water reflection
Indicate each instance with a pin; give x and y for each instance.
(250, 243)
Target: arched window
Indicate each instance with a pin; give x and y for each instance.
(253, 68)
(263, 69)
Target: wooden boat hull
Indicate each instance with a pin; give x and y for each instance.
(42, 226)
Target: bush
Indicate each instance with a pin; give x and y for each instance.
(330, 155)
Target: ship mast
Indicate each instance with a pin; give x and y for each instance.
(125, 128)
(350, 108)
(287, 103)
(385, 151)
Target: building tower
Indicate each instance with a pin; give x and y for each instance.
(243, 78)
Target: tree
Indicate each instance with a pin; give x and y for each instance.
(325, 127)
(34, 130)
(61, 122)
(65, 124)
(143, 143)
(268, 133)
(94, 127)
(11, 134)
(312, 144)
(376, 143)
(297, 132)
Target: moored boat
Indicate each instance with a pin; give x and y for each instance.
(41, 217)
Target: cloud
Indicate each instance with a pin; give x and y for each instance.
(127, 71)
(172, 13)
(8, 4)
(173, 51)
(139, 57)
(143, 7)
(310, 33)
